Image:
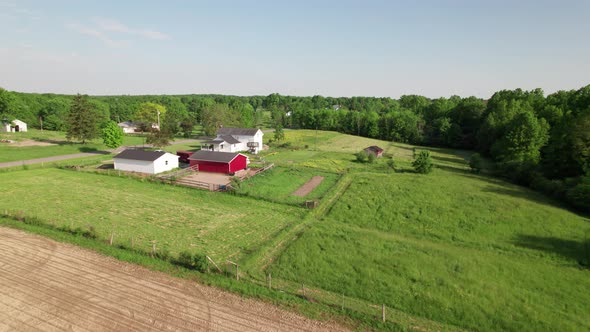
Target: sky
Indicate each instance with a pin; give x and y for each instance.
(305, 48)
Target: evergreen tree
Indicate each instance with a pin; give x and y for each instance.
(82, 120)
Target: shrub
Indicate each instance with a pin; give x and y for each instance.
(371, 158)
(391, 164)
(475, 162)
(361, 157)
(423, 162)
(579, 195)
(194, 262)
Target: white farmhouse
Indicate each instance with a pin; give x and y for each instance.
(235, 140)
(141, 161)
(13, 127)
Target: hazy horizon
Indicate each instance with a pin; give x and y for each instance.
(329, 48)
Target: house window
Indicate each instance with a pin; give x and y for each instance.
(166, 162)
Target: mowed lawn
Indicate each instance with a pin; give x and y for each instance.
(453, 247)
(219, 225)
(58, 145)
(279, 183)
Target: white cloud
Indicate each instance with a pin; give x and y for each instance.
(95, 34)
(107, 31)
(106, 24)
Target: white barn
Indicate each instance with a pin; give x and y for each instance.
(235, 140)
(14, 126)
(141, 161)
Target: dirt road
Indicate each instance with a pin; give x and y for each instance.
(50, 286)
(309, 186)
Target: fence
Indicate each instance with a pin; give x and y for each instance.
(381, 315)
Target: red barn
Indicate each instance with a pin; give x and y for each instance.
(219, 162)
(377, 151)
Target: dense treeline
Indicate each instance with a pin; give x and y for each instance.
(542, 142)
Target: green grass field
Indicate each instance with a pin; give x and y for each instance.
(453, 247)
(59, 145)
(278, 184)
(450, 250)
(221, 226)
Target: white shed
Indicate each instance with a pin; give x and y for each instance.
(141, 161)
(13, 127)
(19, 126)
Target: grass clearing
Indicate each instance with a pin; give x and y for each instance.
(279, 183)
(60, 146)
(460, 249)
(219, 225)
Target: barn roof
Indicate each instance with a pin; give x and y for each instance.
(237, 131)
(214, 156)
(136, 154)
(374, 148)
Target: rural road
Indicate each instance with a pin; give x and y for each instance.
(76, 155)
(50, 286)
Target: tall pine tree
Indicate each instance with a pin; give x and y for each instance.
(82, 120)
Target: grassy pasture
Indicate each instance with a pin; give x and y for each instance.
(278, 183)
(450, 248)
(465, 250)
(221, 226)
(60, 146)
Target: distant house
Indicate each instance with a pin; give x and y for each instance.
(13, 126)
(219, 162)
(235, 140)
(373, 149)
(141, 161)
(128, 127)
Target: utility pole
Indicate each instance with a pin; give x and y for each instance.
(158, 120)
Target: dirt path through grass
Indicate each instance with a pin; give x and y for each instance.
(48, 285)
(309, 186)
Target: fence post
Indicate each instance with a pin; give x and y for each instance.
(383, 313)
(111, 239)
(269, 281)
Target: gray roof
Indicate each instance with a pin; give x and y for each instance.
(230, 139)
(219, 157)
(374, 148)
(136, 154)
(237, 131)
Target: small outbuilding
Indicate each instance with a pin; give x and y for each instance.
(219, 162)
(375, 150)
(141, 161)
(13, 126)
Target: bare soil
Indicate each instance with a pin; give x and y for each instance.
(52, 286)
(30, 142)
(308, 186)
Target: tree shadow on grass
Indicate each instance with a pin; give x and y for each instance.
(574, 250)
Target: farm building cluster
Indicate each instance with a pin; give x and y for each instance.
(219, 155)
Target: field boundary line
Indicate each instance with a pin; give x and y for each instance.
(258, 262)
